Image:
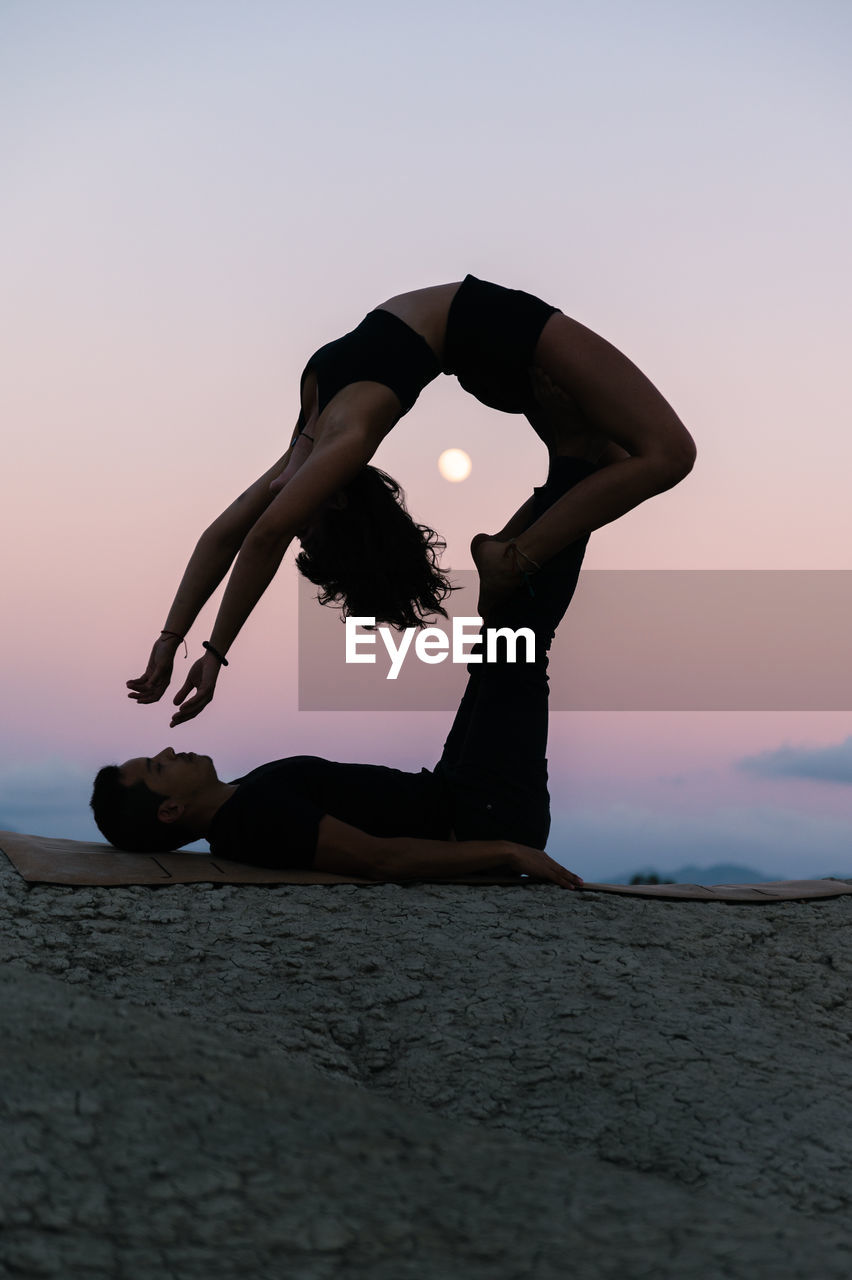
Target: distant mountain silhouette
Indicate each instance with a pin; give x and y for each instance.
(719, 873)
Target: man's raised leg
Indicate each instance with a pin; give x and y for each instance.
(495, 758)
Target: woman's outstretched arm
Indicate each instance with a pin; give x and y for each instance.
(334, 461)
(210, 561)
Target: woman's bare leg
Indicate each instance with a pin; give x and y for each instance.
(611, 407)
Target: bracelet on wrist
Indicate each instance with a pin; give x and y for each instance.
(180, 639)
(220, 657)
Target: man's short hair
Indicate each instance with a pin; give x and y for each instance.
(128, 815)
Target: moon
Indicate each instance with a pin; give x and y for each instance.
(454, 465)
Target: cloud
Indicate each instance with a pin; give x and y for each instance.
(825, 764)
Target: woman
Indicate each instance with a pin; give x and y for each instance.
(513, 352)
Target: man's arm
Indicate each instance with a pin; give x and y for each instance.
(344, 850)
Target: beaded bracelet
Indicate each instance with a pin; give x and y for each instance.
(223, 661)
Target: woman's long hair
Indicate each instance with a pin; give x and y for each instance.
(369, 557)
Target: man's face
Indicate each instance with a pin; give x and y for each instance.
(176, 775)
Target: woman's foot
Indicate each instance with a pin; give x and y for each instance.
(499, 571)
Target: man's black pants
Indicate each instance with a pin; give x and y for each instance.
(495, 758)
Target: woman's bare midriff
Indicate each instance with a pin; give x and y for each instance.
(425, 311)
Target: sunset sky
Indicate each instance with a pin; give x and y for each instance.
(198, 195)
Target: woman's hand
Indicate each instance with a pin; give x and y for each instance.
(532, 862)
(151, 686)
(202, 677)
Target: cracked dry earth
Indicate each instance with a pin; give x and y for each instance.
(422, 1083)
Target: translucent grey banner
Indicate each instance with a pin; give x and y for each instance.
(633, 640)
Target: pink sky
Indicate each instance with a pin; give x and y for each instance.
(195, 206)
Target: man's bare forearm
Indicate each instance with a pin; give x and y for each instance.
(410, 858)
(345, 850)
(407, 857)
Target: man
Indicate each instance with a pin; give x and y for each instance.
(484, 807)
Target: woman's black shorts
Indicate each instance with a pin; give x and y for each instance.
(491, 336)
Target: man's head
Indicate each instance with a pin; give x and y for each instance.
(156, 803)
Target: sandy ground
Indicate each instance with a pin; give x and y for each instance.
(422, 1083)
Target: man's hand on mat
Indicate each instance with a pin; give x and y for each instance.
(532, 862)
(151, 686)
(203, 675)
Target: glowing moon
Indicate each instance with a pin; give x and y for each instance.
(454, 465)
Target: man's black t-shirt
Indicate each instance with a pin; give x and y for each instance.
(271, 820)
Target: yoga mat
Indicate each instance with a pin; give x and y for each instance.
(50, 860)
